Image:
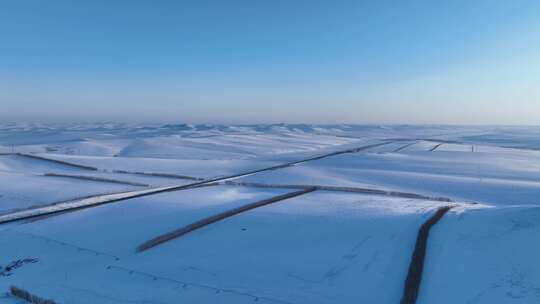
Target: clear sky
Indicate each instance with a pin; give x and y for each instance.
(236, 61)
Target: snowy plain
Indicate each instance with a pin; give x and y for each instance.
(132, 183)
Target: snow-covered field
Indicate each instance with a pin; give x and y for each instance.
(213, 200)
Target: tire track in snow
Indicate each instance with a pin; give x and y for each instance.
(65, 244)
(416, 266)
(216, 218)
(184, 284)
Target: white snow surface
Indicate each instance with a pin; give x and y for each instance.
(320, 247)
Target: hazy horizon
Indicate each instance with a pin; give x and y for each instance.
(241, 62)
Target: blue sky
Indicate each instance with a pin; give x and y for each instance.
(464, 62)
